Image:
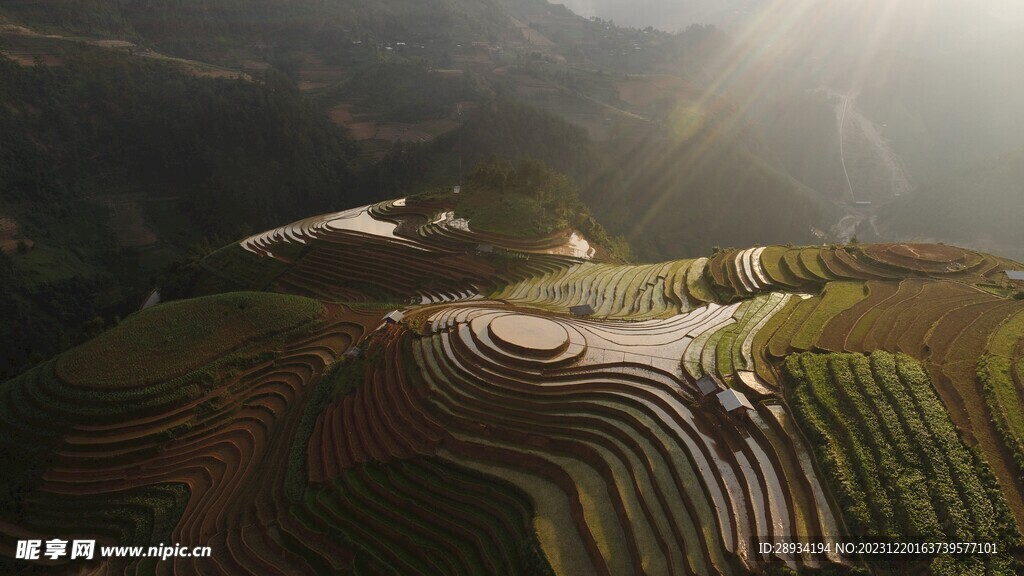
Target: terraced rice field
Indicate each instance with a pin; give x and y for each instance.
(175, 461)
(613, 291)
(490, 430)
(807, 269)
(612, 420)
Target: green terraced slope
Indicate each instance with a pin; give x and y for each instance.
(534, 408)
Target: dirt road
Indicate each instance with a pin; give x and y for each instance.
(873, 172)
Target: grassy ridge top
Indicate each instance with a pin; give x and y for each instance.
(171, 339)
(524, 200)
(527, 199)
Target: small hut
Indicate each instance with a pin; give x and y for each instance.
(707, 385)
(581, 310)
(394, 317)
(734, 403)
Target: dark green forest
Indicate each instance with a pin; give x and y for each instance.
(205, 161)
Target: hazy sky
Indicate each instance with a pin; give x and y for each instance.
(663, 14)
(673, 15)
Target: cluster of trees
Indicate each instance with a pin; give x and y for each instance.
(523, 199)
(40, 319)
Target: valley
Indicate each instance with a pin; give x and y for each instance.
(868, 160)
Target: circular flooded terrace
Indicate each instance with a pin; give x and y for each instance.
(529, 335)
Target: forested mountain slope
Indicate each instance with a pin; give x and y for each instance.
(112, 166)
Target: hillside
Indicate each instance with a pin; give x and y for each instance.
(489, 430)
(928, 100)
(667, 14)
(461, 287)
(171, 131)
(661, 186)
(126, 165)
(949, 210)
(880, 102)
(701, 179)
(211, 27)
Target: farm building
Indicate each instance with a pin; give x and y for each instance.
(581, 310)
(151, 300)
(734, 402)
(1015, 275)
(707, 385)
(394, 317)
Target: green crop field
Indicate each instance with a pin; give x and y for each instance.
(175, 338)
(882, 435)
(1000, 372)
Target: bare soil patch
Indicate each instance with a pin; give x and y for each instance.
(341, 114)
(315, 73)
(398, 131)
(116, 44)
(930, 252)
(204, 71)
(533, 37)
(362, 130)
(254, 65)
(26, 59)
(647, 90)
(9, 237)
(418, 132)
(129, 226)
(474, 58)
